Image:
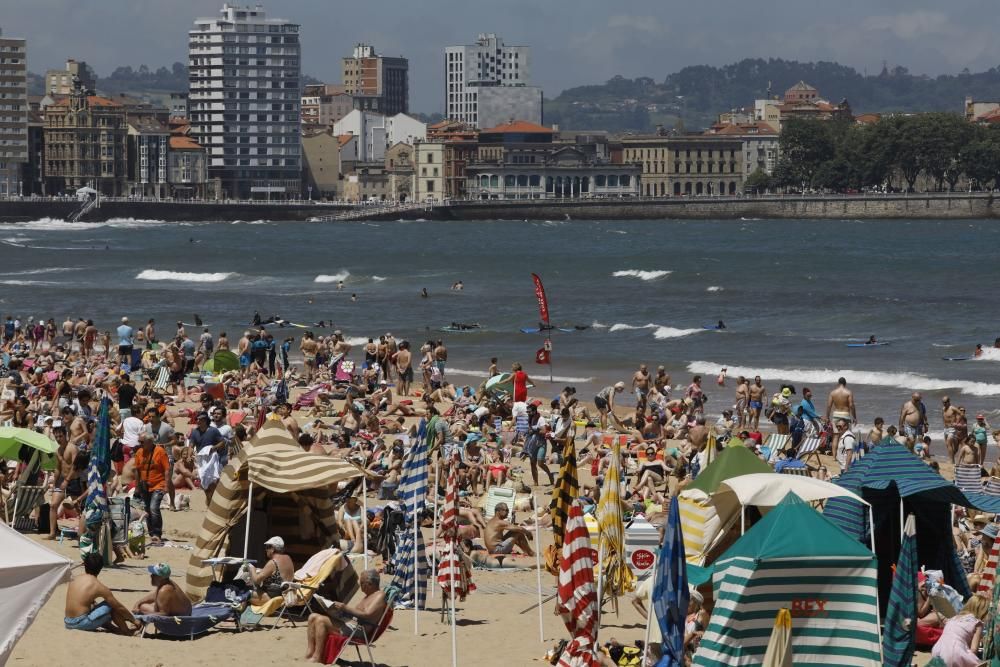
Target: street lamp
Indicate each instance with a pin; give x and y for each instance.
(310, 192)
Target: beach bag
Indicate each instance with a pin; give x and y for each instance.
(117, 453)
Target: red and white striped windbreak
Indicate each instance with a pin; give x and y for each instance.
(989, 572)
(577, 598)
(450, 567)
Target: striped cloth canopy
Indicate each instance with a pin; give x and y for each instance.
(450, 570)
(900, 636)
(407, 577)
(794, 558)
(618, 577)
(300, 511)
(576, 598)
(412, 490)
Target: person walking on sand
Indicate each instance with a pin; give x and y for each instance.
(840, 404)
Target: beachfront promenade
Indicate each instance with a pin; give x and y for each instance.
(808, 206)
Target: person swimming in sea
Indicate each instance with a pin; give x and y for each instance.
(423, 293)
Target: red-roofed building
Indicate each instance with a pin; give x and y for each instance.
(760, 144)
(187, 164)
(85, 137)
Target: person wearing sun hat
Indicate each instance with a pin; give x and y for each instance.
(166, 598)
(987, 536)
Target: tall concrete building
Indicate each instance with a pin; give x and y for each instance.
(13, 115)
(244, 101)
(377, 83)
(60, 81)
(488, 83)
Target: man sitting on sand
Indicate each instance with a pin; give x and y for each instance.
(502, 536)
(166, 599)
(83, 612)
(340, 616)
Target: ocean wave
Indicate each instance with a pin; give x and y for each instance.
(55, 224)
(826, 376)
(181, 276)
(989, 354)
(597, 325)
(378, 279)
(355, 341)
(21, 283)
(713, 288)
(334, 278)
(640, 274)
(630, 327)
(35, 272)
(663, 333)
(482, 374)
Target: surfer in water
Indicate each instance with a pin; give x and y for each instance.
(256, 319)
(872, 340)
(423, 293)
(721, 325)
(979, 350)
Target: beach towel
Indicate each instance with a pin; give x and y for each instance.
(312, 566)
(209, 467)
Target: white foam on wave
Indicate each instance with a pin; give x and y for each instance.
(20, 283)
(182, 276)
(989, 354)
(640, 274)
(35, 272)
(378, 279)
(597, 325)
(354, 341)
(630, 327)
(713, 288)
(483, 374)
(54, 224)
(334, 278)
(664, 333)
(904, 381)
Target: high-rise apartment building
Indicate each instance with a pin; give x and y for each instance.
(377, 83)
(504, 70)
(60, 81)
(244, 101)
(13, 115)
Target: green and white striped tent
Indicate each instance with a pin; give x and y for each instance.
(794, 558)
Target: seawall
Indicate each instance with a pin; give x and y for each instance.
(927, 206)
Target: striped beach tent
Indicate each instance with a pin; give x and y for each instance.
(701, 520)
(617, 577)
(291, 499)
(794, 558)
(450, 568)
(900, 637)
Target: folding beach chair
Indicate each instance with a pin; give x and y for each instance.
(809, 447)
(801, 472)
(776, 442)
(992, 486)
(22, 502)
(336, 643)
(297, 600)
(496, 495)
(969, 477)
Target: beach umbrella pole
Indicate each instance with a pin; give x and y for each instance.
(600, 587)
(538, 569)
(871, 526)
(451, 596)
(649, 615)
(416, 575)
(743, 520)
(364, 515)
(246, 533)
(434, 528)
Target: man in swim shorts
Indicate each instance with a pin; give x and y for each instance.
(756, 394)
(950, 415)
(840, 404)
(502, 536)
(913, 417)
(83, 612)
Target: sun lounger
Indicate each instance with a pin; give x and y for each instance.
(203, 618)
(969, 477)
(496, 495)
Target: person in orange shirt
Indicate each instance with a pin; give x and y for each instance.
(151, 470)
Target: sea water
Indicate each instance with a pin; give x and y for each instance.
(792, 294)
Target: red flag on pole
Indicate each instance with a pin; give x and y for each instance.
(543, 357)
(543, 303)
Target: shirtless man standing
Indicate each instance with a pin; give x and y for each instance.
(640, 385)
(403, 368)
(440, 357)
(950, 415)
(757, 393)
(742, 400)
(309, 348)
(913, 417)
(67, 482)
(840, 405)
(502, 536)
(662, 381)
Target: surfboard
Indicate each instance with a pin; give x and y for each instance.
(203, 324)
(965, 358)
(460, 330)
(879, 344)
(533, 330)
(708, 328)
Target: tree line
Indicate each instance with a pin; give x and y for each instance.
(890, 154)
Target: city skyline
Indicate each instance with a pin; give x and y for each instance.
(587, 43)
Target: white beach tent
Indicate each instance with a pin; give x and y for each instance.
(28, 574)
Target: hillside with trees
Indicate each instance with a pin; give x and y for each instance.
(695, 95)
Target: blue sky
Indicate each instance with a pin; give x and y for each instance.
(574, 41)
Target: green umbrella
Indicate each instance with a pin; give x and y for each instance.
(503, 382)
(11, 440)
(222, 361)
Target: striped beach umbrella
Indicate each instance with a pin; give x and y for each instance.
(565, 493)
(577, 595)
(899, 638)
(412, 490)
(411, 571)
(670, 589)
(618, 577)
(450, 568)
(95, 506)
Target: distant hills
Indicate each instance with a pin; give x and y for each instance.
(695, 95)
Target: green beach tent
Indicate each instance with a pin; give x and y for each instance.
(701, 522)
(794, 558)
(222, 361)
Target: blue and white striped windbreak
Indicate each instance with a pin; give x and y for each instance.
(410, 578)
(412, 489)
